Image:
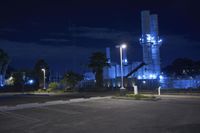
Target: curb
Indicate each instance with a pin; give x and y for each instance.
(58, 102)
(178, 96)
(30, 93)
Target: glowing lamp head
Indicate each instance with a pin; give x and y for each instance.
(123, 46)
(125, 60)
(43, 69)
(11, 78)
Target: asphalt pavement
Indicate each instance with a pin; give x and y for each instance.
(11, 99)
(106, 115)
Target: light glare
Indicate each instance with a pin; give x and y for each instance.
(123, 46)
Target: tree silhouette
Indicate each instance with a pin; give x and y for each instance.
(97, 62)
(71, 79)
(183, 67)
(4, 61)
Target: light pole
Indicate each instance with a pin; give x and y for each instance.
(44, 71)
(121, 47)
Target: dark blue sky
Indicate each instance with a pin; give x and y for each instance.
(65, 33)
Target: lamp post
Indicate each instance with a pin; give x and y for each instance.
(44, 71)
(121, 47)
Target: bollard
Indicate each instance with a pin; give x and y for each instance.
(135, 90)
(159, 90)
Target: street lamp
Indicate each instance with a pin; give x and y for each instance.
(44, 71)
(121, 47)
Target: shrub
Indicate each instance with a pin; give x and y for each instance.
(40, 90)
(53, 86)
(139, 96)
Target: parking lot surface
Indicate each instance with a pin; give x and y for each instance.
(106, 116)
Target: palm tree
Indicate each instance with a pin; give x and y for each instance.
(97, 62)
(4, 61)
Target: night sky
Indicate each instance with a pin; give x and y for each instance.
(66, 32)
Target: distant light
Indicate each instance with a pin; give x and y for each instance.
(2, 85)
(144, 82)
(11, 78)
(154, 76)
(139, 77)
(148, 37)
(160, 40)
(30, 82)
(125, 60)
(161, 77)
(123, 45)
(118, 84)
(153, 41)
(108, 84)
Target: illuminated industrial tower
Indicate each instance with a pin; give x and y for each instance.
(151, 43)
(124, 57)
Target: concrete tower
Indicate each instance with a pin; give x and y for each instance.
(151, 43)
(124, 57)
(156, 43)
(109, 72)
(145, 42)
(108, 55)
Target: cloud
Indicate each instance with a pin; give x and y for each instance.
(84, 28)
(26, 50)
(97, 33)
(100, 33)
(79, 36)
(89, 37)
(8, 30)
(58, 34)
(53, 40)
(59, 58)
(80, 42)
